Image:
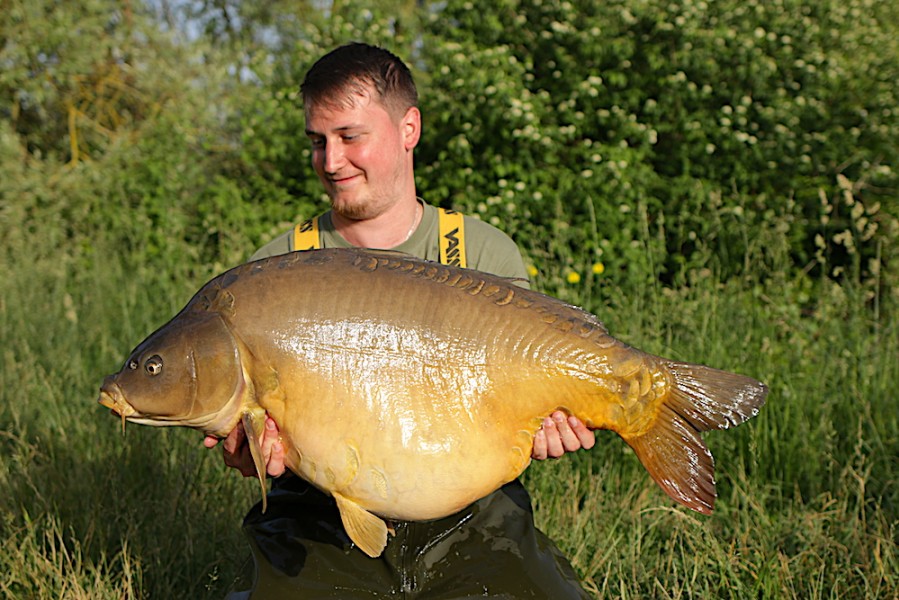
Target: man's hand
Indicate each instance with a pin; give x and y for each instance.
(236, 451)
(561, 434)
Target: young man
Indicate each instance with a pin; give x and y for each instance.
(363, 122)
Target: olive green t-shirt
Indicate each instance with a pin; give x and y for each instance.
(487, 248)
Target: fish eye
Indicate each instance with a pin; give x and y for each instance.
(154, 365)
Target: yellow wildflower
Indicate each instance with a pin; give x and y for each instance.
(532, 271)
(573, 277)
(598, 268)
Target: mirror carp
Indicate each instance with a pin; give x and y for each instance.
(407, 389)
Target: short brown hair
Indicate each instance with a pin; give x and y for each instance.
(354, 69)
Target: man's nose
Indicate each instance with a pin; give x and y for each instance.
(333, 158)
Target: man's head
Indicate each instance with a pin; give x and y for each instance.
(363, 124)
(356, 71)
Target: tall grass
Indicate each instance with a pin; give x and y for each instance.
(88, 512)
(807, 490)
(808, 495)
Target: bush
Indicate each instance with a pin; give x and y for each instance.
(710, 118)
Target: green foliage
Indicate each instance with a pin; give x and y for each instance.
(716, 180)
(688, 111)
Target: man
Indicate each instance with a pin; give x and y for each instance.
(363, 122)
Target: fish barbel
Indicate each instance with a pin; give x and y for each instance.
(407, 389)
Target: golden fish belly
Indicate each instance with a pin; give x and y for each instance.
(410, 441)
(416, 427)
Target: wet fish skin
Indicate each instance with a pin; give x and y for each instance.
(408, 389)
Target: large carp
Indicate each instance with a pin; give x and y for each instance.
(407, 389)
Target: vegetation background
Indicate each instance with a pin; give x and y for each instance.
(716, 179)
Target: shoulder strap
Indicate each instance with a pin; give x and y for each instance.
(305, 236)
(452, 237)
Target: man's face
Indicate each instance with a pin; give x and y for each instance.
(362, 155)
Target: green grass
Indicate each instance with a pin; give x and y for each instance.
(808, 504)
(807, 490)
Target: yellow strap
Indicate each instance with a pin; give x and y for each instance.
(305, 236)
(452, 238)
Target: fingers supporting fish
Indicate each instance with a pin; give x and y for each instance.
(586, 439)
(551, 426)
(273, 449)
(560, 434)
(539, 451)
(236, 450)
(236, 453)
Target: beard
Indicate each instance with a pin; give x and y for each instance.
(362, 204)
(356, 209)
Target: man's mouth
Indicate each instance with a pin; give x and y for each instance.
(345, 180)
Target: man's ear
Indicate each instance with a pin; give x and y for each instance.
(411, 128)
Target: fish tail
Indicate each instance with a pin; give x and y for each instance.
(672, 450)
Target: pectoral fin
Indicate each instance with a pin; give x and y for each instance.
(254, 427)
(367, 531)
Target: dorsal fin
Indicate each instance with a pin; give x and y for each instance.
(215, 299)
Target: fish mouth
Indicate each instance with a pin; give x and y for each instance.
(111, 397)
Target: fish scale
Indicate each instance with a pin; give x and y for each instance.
(407, 389)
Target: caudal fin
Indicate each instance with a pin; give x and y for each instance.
(673, 451)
